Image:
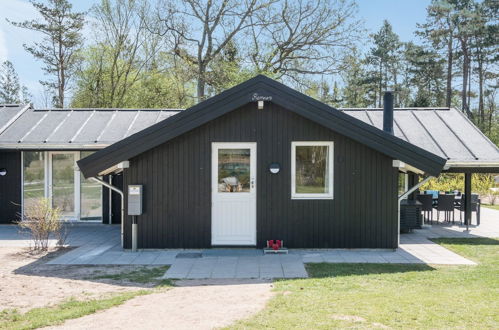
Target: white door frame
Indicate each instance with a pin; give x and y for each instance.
(76, 215)
(226, 197)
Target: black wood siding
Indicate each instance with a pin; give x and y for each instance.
(177, 186)
(10, 187)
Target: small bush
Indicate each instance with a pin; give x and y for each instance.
(42, 220)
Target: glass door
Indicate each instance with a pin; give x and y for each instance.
(62, 183)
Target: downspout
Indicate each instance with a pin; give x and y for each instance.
(403, 196)
(105, 184)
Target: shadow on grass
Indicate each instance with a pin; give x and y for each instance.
(466, 241)
(322, 270)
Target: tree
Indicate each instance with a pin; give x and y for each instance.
(303, 38)
(58, 50)
(122, 50)
(360, 88)
(199, 30)
(384, 56)
(426, 73)
(439, 30)
(484, 52)
(11, 91)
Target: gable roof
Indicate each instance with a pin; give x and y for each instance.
(446, 132)
(249, 91)
(80, 129)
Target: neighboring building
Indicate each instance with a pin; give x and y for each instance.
(39, 149)
(208, 171)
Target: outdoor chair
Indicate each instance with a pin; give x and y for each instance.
(446, 204)
(426, 201)
(434, 194)
(475, 207)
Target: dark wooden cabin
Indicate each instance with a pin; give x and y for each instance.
(261, 161)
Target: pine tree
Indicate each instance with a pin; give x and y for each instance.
(58, 50)
(385, 57)
(11, 91)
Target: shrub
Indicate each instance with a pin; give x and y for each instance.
(41, 220)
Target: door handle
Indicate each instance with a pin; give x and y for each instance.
(252, 183)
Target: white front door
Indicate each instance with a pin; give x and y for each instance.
(233, 210)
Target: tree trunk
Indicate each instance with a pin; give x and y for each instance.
(481, 113)
(380, 84)
(201, 83)
(450, 56)
(464, 99)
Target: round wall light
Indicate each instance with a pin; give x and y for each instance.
(3, 171)
(274, 168)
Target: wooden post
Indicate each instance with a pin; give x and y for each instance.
(467, 201)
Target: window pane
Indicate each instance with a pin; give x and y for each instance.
(233, 170)
(63, 187)
(34, 177)
(312, 169)
(91, 196)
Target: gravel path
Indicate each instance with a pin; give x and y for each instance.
(193, 304)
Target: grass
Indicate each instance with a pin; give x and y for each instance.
(393, 295)
(494, 207)
(48, 316)
(71, 309)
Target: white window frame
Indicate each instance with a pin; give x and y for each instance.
(330, 145)
(47, 179)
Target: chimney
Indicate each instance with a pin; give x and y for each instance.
(388, 112)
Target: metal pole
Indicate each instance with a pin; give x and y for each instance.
(467, 200)
(110, 210)
(134, 233)
(105, 184)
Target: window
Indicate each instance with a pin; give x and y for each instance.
(33, 177)
(234, 170)
(312, 170)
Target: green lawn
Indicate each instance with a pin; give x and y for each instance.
(71, 309)
(494, 207)
(398, 296)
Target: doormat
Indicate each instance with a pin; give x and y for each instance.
(189, 255)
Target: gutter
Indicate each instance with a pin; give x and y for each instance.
(45, 146)
(110, 186)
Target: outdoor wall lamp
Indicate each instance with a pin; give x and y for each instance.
(274, 168)
(3, 171)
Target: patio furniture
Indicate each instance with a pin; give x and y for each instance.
(475, 207)
(426, 201)
(446, 204)
(434, 194)
(410, 215)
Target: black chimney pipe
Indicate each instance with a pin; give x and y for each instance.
(388, 112)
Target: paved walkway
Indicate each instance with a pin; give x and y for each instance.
(100, 244)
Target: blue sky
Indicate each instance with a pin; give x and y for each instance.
(402, 14)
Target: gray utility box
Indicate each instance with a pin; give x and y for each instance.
(135, 199)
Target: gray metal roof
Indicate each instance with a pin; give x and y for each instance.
(446, 132)
(443, 131)
(9, 113)
(77, 128)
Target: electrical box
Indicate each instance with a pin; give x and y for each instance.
(135, 199)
